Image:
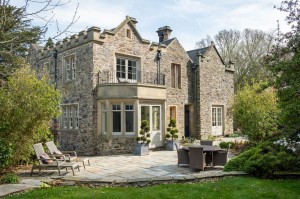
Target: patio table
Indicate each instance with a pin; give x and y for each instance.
(206, 148)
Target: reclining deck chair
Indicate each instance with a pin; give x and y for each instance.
(44, 161)
(68, 155)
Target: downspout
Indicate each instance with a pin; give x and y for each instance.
(55, 67)
(197, 101)
(55, 121)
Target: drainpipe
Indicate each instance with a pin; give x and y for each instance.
(196, 67)
(55, 121)
(55, 67)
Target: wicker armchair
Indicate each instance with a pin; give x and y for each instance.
(197, 158)
(206, 142)
(183, 156)
(220, 158)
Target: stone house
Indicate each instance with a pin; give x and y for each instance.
(111, 80)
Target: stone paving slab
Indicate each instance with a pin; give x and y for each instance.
(157, 166)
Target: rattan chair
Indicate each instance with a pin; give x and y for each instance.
(197, 158)
(220, 158)
(183, 156)
(206, 142)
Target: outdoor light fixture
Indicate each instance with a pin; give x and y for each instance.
(158, 57)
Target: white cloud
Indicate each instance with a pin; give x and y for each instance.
(190, 6)
(191, 20)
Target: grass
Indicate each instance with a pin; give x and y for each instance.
(231, 187)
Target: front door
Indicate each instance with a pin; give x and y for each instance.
(187, 123)
(152, 113)
(217, 121)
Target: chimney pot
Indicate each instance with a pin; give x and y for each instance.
(164, 33)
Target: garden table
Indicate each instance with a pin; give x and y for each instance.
(206, 148)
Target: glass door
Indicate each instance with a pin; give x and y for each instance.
(152, 113)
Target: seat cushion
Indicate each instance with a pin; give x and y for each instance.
(45, 159)
(57, 152)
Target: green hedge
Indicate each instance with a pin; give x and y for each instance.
(264, 160)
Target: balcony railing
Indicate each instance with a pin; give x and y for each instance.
(113, 76)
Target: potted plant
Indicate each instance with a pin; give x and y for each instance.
(143, 140)
(172, 135)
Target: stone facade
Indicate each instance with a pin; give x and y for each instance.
(91, 90)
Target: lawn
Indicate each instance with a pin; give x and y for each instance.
(231, 187)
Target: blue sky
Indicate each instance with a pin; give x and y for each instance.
(191, 20)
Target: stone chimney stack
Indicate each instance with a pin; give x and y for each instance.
(164, 33)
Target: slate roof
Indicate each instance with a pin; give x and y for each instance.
(167, 42)
(192, 53)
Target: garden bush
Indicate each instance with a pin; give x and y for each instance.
(9, 178)
(5, 153)
(225, 145)
(264, 160)
(27, 107)
(255, 111)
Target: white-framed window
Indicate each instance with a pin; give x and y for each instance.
(76, 118)
(116, 114)
(70, 67)
(129, 118)
(126, 69)
(175, 76)
(104, 118)
(70, 116)
(65, 117)
(73, 67)
(216, 116)
(155, 118)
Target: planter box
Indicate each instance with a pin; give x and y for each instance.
(170, 145)
(141, 149)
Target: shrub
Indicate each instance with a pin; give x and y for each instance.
(264, 160)
(144, 133)
(255, 111)
(10, 178)
(5, 153)
(225, 145)
(172, 130)
(27, 107)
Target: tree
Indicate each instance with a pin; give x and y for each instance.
(15, 36)
(247, 50)
(27, 106)
(285, 63)
(255, 111)
(17, 31)
(204, 42)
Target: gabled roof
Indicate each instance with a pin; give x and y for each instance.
(168, 42)
(131, 22)
(192, 53)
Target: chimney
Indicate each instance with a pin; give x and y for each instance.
(164, 33)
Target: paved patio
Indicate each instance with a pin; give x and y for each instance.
(157, 166)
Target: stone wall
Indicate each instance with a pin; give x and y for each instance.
(96, 52)
(216, 88)
(175, 54)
